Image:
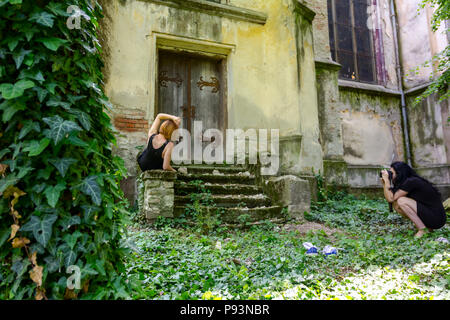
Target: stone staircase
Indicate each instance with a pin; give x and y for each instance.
(233, 190)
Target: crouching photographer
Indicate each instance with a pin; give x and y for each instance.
(414, 197)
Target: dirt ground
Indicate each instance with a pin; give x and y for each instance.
(305, 227)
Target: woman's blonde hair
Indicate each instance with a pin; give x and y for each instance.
(167, 128)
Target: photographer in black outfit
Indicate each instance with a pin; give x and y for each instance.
(414, 197)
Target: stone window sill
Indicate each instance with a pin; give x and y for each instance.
(218, 9)
(366, 87)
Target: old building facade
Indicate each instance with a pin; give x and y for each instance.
(325, 73)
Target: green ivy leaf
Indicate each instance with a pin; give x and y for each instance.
(52, 43)
(52, 264)
(70, 221)
(11, 108)
(35, 147)
(99, 265)
(57, 9)
(72, 139)
(29, 33)
(84, 119)
(45, 173)
(12, 43)
(41, 93)
(10, 91)
(38, 188)
(90, 187)
(4, 235)
(42, 229)
(57, 103)
(9, 180)
(3, 152)
(20, 266)
(71, 239)
(43, 18)
(89, 211)
(19, 56)
(23, 171)
(33, 75)
(88, 270)
(60, 127)
(52, 193)
(62, 164)
(70, 258)
(51, 87)
(27, 127)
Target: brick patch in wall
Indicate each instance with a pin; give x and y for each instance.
(130, 125)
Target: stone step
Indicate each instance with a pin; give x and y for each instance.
(199, 169)
(231, 200)
(231, 215)
(184, 188)
(219, 178)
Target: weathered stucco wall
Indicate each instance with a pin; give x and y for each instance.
(270, 69)
(418, 42)
(320, 26)
(429, 131)
(330, 120)
(371, 127)
(362, 124)
(280, 75)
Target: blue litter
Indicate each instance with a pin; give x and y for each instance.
(311, 249)
(329, 250)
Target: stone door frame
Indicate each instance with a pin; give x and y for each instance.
(201, 48)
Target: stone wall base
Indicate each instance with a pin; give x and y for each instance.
(156, 194)
(292, 192)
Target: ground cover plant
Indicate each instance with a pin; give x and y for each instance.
(378, 258)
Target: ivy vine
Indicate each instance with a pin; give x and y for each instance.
(60, 200)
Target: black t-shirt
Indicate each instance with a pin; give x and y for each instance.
(422, 192)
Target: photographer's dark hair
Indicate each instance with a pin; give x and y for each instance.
(404, 171)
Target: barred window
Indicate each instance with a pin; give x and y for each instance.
(351, 40)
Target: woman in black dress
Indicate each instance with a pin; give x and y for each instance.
(158, 153)
(414, 197)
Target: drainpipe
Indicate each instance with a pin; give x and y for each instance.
(400, 83)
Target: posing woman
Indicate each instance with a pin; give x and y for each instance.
(158, 153)
(414, 197)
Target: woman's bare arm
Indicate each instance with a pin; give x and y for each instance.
(167, 155)
(388, 194)
(156, 123)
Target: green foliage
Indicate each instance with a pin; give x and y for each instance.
(441, 76)
(378, 258)
(61, 201)
(327, 192)
(201, 214)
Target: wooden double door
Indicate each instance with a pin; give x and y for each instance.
(193, 88)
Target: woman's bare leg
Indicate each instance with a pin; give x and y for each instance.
(399, 210)
(408, 207)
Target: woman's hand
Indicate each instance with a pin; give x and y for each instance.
(385, 176)
(177, 121)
